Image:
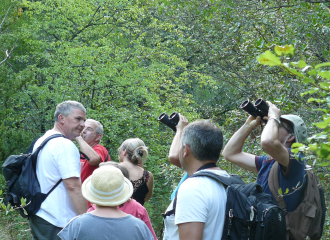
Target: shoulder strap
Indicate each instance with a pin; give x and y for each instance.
(36, 152)
(34, 160)
(225, 181)
(45, 141)
(84, 156)
(274, 186)
(50, 191)
(107, 158)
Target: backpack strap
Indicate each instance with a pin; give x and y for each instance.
(171, 212)
(274, 186)
(225, 181)
(84, 156)
(107, 158)
(36, 152)
(34, 159)
(50, 191)
(46, 140)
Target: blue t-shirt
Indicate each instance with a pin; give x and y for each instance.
(291, 179)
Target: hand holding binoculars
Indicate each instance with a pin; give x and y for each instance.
(171, 121)
(260, 108)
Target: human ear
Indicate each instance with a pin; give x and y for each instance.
(291, 138)
(98, 138)
(186, 150)
(61, 119)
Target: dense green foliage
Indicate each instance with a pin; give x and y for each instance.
(129, 61)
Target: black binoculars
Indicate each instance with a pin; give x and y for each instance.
(260, 108)
(171, 121)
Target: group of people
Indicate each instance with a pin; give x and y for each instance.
(96, 196)
(112, 192)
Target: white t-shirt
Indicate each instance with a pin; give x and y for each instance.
(58, 159)
(199, 199)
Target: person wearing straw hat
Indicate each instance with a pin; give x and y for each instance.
(107, 188)
(131, 206)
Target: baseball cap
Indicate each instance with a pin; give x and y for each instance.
(299, 127)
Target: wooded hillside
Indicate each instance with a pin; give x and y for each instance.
(129, 61)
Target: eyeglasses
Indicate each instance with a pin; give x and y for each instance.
(282, 125)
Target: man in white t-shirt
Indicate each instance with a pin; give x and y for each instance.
(201, 201)
(60, 159)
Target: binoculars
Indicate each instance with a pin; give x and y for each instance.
(171, 121)
(260, 108)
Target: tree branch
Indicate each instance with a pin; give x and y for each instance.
(8, 54)
(3, 20)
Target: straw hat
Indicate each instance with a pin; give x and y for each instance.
(107, 187)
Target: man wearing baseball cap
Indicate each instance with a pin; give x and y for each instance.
(280, 132)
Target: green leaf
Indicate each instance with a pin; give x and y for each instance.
(297, 145)
(300, 64)
(280, 191)
(312, 147)
(324, 164)
(322, 65)
(23, 201)
(325, 74)
(321, 124)
(312, 72)
(287, 49)
(325, 85)
(268, 58)
(313, 90)
(286, 191)
(308, 80)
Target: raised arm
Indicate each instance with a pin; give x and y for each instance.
(94, 158)
(173, 155)
(233, 149)
(272, 141)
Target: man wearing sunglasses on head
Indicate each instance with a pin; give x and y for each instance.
(280, 132)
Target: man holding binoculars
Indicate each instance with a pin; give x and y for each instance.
(279, 133)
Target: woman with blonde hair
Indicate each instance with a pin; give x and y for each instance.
(132, 154)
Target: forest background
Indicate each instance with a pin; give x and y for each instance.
(129, 61)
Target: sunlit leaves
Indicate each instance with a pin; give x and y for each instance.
(268, 58)
(287, 49)
(322, 65)
(325, 74)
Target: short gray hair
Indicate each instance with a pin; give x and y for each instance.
(99, 126)
(66, 108)
(204, 139)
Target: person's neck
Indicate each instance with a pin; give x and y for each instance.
(127, 161)
(57, 127)
(108, 212)
(94, 144)
(197, 164)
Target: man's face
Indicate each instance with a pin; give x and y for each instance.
(74, 123)
(283, 133)
(89, 133)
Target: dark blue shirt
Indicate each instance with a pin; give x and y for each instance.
(290, 178)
